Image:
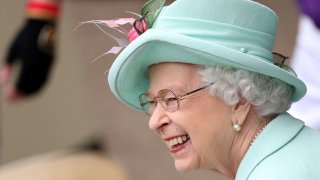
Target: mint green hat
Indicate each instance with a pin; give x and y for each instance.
(237, 33)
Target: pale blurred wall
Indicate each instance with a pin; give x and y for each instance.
(77, 103)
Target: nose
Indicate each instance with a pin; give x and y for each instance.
(158, 119)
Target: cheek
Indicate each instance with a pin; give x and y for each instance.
(202, 135)
(200, 128)
(204, 146)
(199, 120)
(207, 127)
(207, 141)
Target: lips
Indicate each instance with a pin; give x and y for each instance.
(176, 143)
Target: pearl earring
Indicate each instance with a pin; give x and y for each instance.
(236, 127)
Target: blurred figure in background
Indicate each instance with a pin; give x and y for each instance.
(34, 47)
(306, 62)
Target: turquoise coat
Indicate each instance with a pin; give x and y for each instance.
(285, 150)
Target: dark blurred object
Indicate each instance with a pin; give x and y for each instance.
(95, 144)
(34, 48)
(312, 9)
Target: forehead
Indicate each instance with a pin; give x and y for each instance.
(173, 76)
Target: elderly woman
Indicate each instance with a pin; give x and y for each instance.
(204, 73)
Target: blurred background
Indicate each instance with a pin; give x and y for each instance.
(77, 104)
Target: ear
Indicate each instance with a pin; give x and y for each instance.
(240, 111)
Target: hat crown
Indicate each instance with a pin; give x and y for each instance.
(241, 25)
(243, 13)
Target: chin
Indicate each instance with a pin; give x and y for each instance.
(186, 165)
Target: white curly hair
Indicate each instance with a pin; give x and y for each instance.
(269, 96)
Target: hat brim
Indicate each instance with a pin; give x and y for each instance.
(128, 76)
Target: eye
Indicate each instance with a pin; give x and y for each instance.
(170, 99)
(169, 102)
(152, 103)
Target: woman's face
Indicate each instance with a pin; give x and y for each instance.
(198, 132)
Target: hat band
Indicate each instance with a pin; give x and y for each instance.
(230, 36)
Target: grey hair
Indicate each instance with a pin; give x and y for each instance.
(269, 96)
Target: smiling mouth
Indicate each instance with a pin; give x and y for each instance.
(176, 143)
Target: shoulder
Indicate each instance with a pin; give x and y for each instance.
(298, 159)
(286, 149)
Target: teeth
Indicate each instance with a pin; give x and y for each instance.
(177, 140)
(184, 138)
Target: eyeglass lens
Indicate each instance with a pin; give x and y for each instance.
(166, 98)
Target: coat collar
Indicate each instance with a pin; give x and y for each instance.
(277, 134)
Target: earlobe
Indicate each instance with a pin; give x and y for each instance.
(240, 112)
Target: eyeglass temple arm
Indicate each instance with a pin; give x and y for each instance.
(284, 58)
(198, 89)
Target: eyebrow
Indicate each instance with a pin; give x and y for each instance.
(180, 88)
